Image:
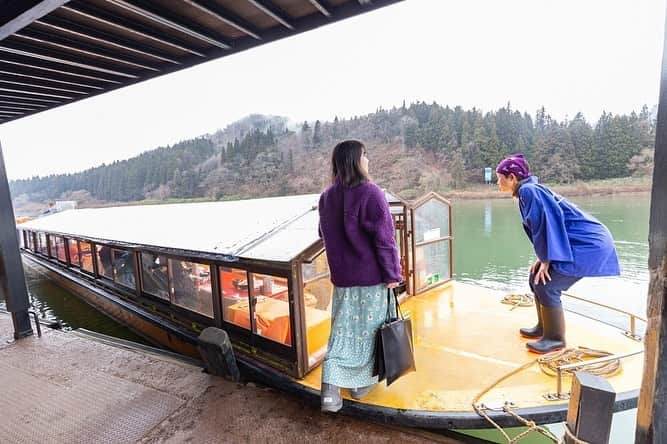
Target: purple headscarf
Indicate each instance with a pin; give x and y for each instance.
(515, 164)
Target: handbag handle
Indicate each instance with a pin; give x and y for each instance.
(399, 313)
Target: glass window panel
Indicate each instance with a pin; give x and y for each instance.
(41, 242)
(431, 221)
(317, 295)
(28, 240)
(234, 289)
(154, 275)
(191, 286)
(123, 267)
(60, 249)
(272, 316)
(432, 264)
(21, 238)
(86, 253)
(104, 261)
(74, 252)
(54, 249)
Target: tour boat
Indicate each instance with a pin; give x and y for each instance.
(257, 269)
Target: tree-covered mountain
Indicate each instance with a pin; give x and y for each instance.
(412, 149)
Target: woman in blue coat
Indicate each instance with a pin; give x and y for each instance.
(569, 244)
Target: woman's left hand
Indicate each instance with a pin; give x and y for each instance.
(542, 274)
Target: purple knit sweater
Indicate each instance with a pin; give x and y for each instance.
(358, 233)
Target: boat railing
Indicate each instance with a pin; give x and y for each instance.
(561, 369)
(632, 333)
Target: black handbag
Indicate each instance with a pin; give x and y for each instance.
(394, 352)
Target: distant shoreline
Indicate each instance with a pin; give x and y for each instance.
(592, 188)
(627, 185)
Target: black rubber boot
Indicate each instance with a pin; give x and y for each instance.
(534, 332)
(553, 325)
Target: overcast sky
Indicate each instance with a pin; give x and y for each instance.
(567, 55)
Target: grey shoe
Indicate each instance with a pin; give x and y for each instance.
(358, 393)
(331, 398)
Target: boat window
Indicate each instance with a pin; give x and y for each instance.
(86, 253)
(52, 247)
(41, 243)
(317, 295)
(271, 307)
(123, 267)
(104, 261)
(60, 249)
(431, 221)
(28, 240)
(234, 288)
(154, 275)
(74, 252)
(432, 264)
(191, 286)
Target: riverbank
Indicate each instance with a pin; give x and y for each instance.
(624, 185)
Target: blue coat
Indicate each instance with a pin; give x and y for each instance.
(573, 241)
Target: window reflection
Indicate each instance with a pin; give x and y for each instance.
(431, 221)
(60, 249)
(317, 295)
(154, 275)
(116, 264)
(272, 315)
(123, 268)
(432, 264)
(41, 243)
(53, 248)
(74, 252)
(104, 261)
(234, 289)
(85, 251)
(191, 286)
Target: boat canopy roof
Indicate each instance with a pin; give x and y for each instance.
(273, 229)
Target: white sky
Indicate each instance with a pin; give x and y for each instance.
(568, 55)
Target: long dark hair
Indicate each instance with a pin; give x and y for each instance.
(345, 163)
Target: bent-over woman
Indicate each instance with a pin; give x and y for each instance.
(569, 243)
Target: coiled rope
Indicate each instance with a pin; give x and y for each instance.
(518, 300)
(550, 362)
(549, 365)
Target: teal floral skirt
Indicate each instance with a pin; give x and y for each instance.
(356, 315)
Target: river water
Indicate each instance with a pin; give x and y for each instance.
(490, 249)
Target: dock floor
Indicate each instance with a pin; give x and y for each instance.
(66, 388)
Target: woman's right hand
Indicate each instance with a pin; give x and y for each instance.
(535, 267)
(393, 285)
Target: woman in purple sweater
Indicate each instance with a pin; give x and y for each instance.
(358, 234)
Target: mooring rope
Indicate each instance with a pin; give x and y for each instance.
(550, 362)
(518, 300)
(549, 365)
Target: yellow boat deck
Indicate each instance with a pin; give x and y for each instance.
(465, 339)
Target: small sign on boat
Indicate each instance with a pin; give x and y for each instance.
(433, 233)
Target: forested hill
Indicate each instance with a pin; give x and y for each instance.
(412, 149)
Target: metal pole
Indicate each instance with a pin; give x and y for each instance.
(652, 408)
(12, 279)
